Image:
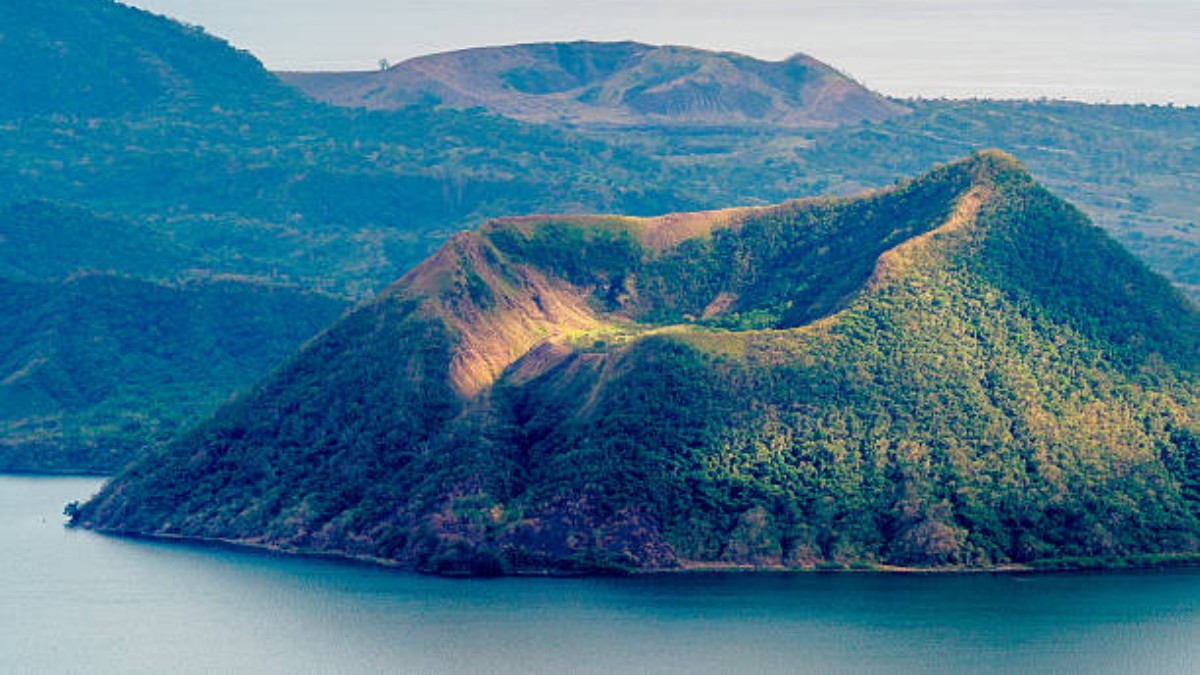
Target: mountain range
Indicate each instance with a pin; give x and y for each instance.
(959, 370)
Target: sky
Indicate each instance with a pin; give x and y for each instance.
(1120, 51)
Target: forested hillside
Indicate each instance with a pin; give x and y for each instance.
(1132, 168)
(145, 150)
(147, 168)
(95, 58)
(959, 370)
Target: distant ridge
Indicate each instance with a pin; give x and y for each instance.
(612, 83)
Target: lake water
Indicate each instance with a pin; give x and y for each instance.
(73, 601)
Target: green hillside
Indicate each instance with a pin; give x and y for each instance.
(958, 370)
(116, 336)
(98, 367)
(98, 58)
(1132, 168)
(45, 241)
(144, 119)
(136, 147)
(146, 153)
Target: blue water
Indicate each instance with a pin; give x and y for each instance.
(76, 602)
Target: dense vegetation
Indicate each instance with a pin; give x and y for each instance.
(112, 343)
(137, 148)
(98, 367)
(961, 370)
(146, 166)
(341, 201)
(93, 58)
(1133, 169)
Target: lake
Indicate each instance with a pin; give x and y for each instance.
(74, 601)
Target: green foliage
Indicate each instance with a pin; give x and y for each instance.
(1131, 168)
(983, 402)
(98, 58)
(43, 241)
(157, 161)
(136, 148)
(98, 367)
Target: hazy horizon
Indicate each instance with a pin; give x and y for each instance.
(1102, 50)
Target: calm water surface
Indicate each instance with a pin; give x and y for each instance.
(73, 601)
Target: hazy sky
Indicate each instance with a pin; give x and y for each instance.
(1096, 50)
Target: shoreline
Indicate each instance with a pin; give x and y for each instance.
(1147, 561)
(46, 473)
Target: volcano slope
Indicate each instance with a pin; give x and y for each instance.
(959, 370)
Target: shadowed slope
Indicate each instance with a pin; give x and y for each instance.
(98, 367)
(96, 58)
